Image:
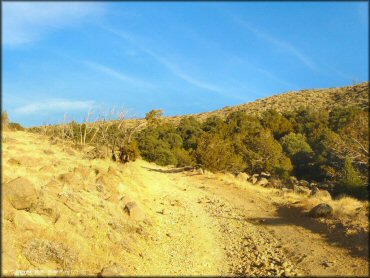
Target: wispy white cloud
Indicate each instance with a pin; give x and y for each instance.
(25, 23)
(170, 65)
(54, 105)
(288, 47)
(117, 74)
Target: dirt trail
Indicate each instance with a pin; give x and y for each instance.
(247, 229)
(195, 223)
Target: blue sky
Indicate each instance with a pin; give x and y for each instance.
(68, 58)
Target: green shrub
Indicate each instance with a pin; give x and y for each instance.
(183, 157)
(189, 129)
(213, 124)
(158, 144)
(294, 143)
(277, 123)
(218, 154)
(351, 182)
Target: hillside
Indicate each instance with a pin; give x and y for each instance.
(356, 95)
(328, 98)
(65, 215)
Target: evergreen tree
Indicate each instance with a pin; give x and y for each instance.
(351, 182)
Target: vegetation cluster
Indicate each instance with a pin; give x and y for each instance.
(319, 146)
(314, 145)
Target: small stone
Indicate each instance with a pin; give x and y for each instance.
(133, 210)
(301, 190)
(163, 212)
(328, 264)
(265, 174)
(200, 171)
(262, 182)
(242, 176)
(253, 179)
(321, 210)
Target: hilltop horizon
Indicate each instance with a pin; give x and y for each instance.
(221, 108)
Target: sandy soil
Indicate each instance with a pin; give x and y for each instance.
(182, 223)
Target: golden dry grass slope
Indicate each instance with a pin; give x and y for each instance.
(326, 99)
(64, 215)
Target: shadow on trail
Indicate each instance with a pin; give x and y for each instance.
(356, 243)
(174, 170)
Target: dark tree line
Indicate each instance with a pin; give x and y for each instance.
(309, 144)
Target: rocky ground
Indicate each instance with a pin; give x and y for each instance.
(65, 215)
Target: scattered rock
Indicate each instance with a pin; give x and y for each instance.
(163, 212)
(262, 182)
(29, 221)
(253, 179)
(21, 193)
(133, 210)
(328, 263)
(242, 176)
(265, 175)
(304, 183)
(321, 210)
(301, 190)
